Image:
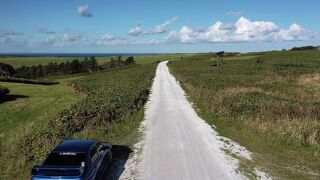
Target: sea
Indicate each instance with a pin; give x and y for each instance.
(74, 54)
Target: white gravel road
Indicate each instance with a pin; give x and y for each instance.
(178, 144)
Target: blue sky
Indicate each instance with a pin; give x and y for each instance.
(146, 26)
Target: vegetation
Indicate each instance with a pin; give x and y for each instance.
(75, 66)
(3, 91)
(28, 81)
(17, 62)
(113, 100)
(304, 48)
(27, 110)
(6, 70)
(270, 104)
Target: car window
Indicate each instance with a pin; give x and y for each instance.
(65, 159)
(95, 152)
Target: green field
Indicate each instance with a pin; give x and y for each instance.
(106, 106)
(27, 110)
(270, 105)
(30, 61)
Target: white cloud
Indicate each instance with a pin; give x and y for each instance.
(110, 40)
(250, 31)
(228, 26)
(135, 31)
(49, 41)
(47, 31)
(107, 37)
(243, 30)
(295, 32)
(8, 41)
(162, 28)
(83, 10)
(158, 29)
(73, 38)
(66, 39)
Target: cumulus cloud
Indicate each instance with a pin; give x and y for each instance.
(66, 39)
(46, 31)
(83, 10)
(158, 29)
(243, 30)
(135, 31)
(294, 32)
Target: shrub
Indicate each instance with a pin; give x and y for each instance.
(6, 70)
(4, 91)
(259, 60)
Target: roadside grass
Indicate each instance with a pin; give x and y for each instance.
(122, 133)
(270, 106)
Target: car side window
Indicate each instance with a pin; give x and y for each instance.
(94, 153)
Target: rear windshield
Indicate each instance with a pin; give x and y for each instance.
(65, 159)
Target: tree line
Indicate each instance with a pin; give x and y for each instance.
(87, 65)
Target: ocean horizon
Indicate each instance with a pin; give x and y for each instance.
(75, 54)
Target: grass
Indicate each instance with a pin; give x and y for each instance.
(111, 110)
(33, 103)
(30, 61)
(27, 110)
(270, 106)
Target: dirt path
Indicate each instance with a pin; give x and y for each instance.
(177, 143)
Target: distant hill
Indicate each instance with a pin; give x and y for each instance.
(306, 48)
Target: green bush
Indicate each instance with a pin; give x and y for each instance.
(6, 70)
(4, 91)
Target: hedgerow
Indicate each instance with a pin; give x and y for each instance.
(27, 81)
(111, 97)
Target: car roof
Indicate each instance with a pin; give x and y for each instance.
(74, 146)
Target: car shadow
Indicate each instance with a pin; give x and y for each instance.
(120, 155)
(10, 97)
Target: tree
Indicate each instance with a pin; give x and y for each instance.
(6, 70)
(93, 64)
(130, 60)
(75, 66)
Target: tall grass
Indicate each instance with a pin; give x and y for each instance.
(275, 93)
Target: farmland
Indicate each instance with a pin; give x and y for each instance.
(106, 106)
(30, 61)
(268, 103)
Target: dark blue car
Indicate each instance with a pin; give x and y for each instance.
(75, 160)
